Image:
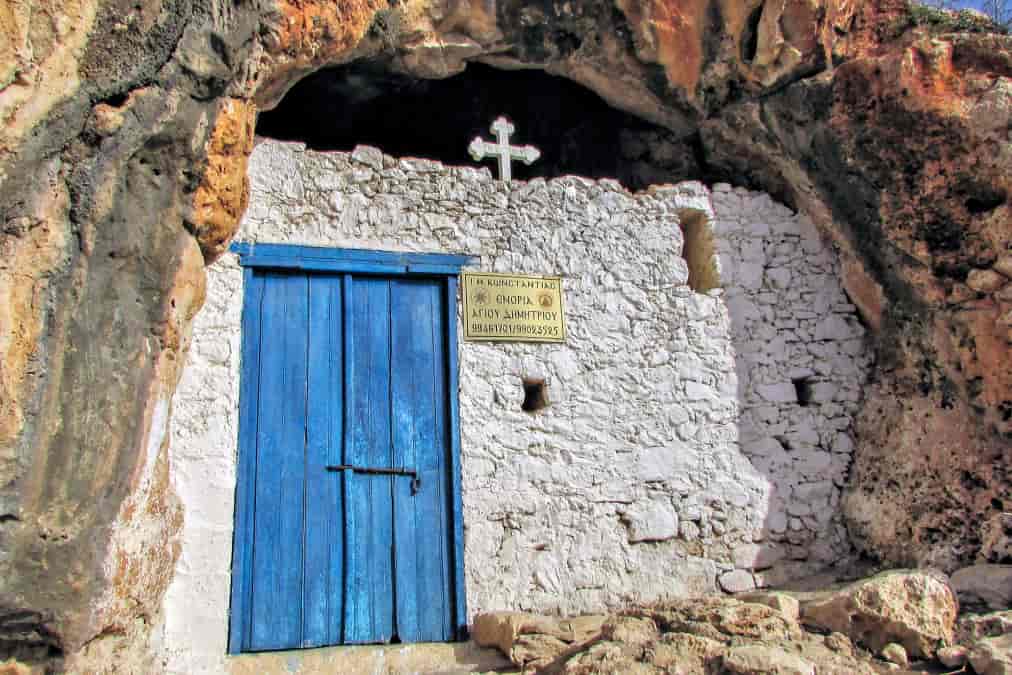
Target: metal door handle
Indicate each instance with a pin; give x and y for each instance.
(416, 482)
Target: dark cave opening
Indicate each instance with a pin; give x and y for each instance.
(576, 131)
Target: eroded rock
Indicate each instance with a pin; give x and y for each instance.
(987, 585)
(895, 653)
(706, 635)
(953, 657)
(531, 639)
(992, 656)
(972, 627)
(761, 660)
(914, 609)
(786, 604)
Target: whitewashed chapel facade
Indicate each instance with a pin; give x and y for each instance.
(692, 442)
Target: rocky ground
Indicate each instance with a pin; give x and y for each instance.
(896, 622)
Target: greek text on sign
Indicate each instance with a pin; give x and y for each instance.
(512, 308)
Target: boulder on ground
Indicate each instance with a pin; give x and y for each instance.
(894, 653)
(987, 585)
(763, 660)
(673, 654)
(952, 657)
(973, 627)
(681, 637)
(782, 602)
(916, 609)
(530, 639)
(992, 656)
(737, 581)
(681, 653)
(601, 657)
(839, 643)
(724, 618)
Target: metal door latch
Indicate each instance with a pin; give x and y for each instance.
(416, 482)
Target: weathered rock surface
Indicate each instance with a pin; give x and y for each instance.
(756, 659)
(917, 610)
(786, 604)
(973, 627)
(122, 162)
(895, 653)
(987, 585)
(706, 635)
(952, 657)
(992, 656)
(531, 640)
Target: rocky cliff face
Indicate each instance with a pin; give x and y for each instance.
(122, 173)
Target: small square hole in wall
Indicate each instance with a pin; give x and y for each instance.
(535, 394)
(803, 390)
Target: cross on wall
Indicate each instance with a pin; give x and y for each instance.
(502, 150)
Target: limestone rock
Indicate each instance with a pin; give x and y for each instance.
(782, 602)
(684, 654)
(532, 639)
(1004, 265)
(757, 556)
(988, 585)
(14, 667)
(985, 281)
(915, 609)
(973, 627)
(439, 57)
(707, 635)
(653, 521)
(737, 581)
(840, 643)
(992, 656)
(369, 156)
(720, 618)
(762, 660)
(952, 657)
(631, 630)
(222, 196)
(894, 653)
(498, 629)
(536, 649)
(996, 543)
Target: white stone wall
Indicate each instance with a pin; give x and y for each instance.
(790, 323)
(632, 485)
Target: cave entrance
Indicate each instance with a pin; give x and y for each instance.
(577, 132)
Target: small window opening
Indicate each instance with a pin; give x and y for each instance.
(535, 395)
(698, 251)
(803, 390)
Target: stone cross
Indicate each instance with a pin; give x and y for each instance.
(502, 149)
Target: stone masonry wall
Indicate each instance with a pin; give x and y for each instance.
(632, 484)
(801, 361)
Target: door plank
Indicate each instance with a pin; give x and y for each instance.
(419, 441)
(456, 501)
(242, 544)
(323, 567)
(369, 607)
(278, 530)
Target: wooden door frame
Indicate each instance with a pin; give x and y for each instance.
(311, 259)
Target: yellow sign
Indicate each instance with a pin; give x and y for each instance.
(512, 308)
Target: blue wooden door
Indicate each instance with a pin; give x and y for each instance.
(344, 375)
